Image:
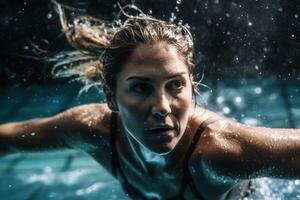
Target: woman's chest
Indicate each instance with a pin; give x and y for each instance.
(156, 185)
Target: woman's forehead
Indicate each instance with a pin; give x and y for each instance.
(155, 59)
(158, 51)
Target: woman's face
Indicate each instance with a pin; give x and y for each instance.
(154, 96)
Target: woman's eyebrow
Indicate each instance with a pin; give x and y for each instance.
(149, 79)
(139, 78)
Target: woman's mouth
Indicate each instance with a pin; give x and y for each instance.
(165, 132)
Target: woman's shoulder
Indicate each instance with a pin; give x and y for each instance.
(90, 119)
(209, 148)
(202, 114)
(220, 147)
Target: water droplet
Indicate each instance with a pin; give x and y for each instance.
(236, 59)
(173, 17)
(258, 90)
(220, 100)
(226, 110)
(178, 2)
(209, 22)
(49, 16)
(238, 99)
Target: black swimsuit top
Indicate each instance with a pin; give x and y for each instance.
(187, 178)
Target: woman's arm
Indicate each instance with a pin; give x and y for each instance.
(233, 152)
(75, 128)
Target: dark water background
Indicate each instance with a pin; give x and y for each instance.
(232, 38)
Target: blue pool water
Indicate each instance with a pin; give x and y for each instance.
(72, 175)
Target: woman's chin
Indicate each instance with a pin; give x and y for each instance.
(162, 148)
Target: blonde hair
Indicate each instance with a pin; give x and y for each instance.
(102, 47)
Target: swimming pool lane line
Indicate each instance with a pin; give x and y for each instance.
(69, 161)
(14, 163)
(35, 193)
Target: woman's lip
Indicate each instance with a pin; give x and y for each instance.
(160, 132)
(160, 128)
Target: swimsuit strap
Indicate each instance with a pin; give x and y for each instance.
(187, 177)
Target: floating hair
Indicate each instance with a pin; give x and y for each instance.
(92, 38)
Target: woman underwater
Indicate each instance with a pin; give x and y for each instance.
(150, 134)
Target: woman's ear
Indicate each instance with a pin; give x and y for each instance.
(111, 100)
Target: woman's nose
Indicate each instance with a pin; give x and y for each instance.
(161, 105)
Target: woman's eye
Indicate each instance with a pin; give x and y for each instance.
(140, 88)
(177, 85)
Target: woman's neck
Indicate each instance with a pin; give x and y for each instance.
(153, 162)
(145, 155)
